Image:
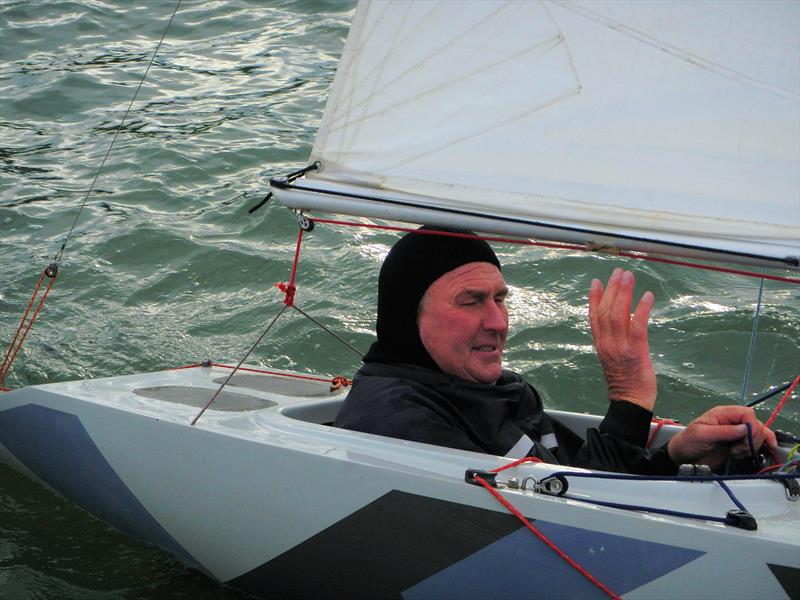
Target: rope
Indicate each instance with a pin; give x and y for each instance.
(51, 271)
(650, 509)
(731, 495)
(338, 379)
(729, 519)
(692, 478)
(778, 408)
(516, 463)
(529, 242)
(510, 507)
(659, 423)
(769, 394)
(289, 289)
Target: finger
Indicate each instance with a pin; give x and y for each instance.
(621, 309)
(763, 435)
(769, 438)
(638, 328)
(732, 415)
(610, 295)
(721, 433)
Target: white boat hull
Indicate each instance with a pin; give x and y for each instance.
(266, 498)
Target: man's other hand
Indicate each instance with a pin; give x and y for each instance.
(721, 432)
(621, 339)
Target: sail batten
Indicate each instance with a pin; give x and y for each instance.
(676, 123)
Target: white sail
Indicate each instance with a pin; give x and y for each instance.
(644, 124)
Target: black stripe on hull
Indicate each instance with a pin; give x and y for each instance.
(380, 550)
(789, 578)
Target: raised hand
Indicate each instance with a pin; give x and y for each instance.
(621, 339)
(719, 433)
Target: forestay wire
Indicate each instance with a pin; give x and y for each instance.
(752, 346)
(51, 271)
(60, 253)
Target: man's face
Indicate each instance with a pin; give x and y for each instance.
(463, 321)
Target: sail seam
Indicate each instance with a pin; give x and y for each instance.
(676, 51)
(537, 50)
(417, 65)
(492, 126)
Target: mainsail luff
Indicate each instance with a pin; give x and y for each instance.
(671, 126)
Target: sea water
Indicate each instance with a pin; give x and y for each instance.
(165, 266)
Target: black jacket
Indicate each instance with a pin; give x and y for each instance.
(413, 403)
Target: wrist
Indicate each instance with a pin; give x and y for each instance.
(645, 400)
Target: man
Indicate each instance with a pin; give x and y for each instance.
(435, 373)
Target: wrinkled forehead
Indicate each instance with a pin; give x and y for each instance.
(473, 277)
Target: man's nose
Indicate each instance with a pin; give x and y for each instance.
(495, 317)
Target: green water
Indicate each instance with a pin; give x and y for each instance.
(166, 267)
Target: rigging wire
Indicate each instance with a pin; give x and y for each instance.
(59, 255)
(241, 362)
(52, 269)
(289, 289)
(333, 333)
(751, 348)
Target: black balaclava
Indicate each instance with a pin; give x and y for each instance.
(412, 265)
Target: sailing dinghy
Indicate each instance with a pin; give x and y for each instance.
(667, 128)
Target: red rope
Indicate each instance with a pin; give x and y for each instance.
(519, 461)
(24, 316)
(10, 356)
(659, 424)
(542, 536)
(338, 379)
(770, 469)
(528, 242)
(289, 289)
(782, 402)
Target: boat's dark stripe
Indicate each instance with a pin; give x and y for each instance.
(529, 569)
(408, 546)
(380, 550)
(56, 447)
(788, 577)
